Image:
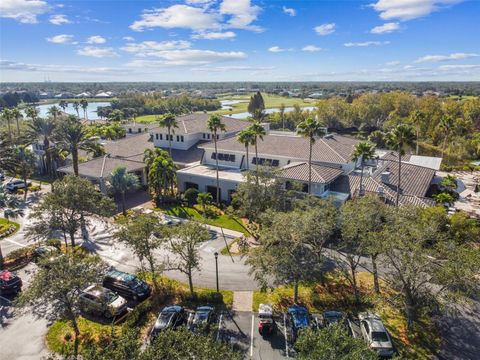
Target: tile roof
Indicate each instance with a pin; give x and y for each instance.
(197, 123)
(93, 168)
(320, 174)
(332, 149)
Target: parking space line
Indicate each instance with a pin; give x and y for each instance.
(219, 326)
(6, 300)
(14, 242)
(285, 333)
(251, 337)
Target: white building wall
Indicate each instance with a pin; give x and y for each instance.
(204, 182)
(188, 140)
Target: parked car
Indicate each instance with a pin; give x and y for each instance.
(333, 317)
(298, 319)
(203, 317)
(375, 334)
(16, 184)
(98, 300)
(171, 317)
(127, 285)
(10, 284)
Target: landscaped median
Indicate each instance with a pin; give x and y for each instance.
(60, 336)
(7, 227)
(336, 294)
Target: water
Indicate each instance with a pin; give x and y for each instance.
(226, 103)
(91, 109)
(245, 115)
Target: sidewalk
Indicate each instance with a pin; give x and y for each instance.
(242, 301)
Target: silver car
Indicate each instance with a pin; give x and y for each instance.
(375, 334)
(98, 300)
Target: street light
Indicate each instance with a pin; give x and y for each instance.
(216, 268)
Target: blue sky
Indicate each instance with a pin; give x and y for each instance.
(239, 40)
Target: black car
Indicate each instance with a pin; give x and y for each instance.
(171, 317)
(10, 284)
(333, 317)
(127, 285)
(203, 317)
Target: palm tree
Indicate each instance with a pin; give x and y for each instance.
(17, 114)
(9, 204)
(54, 111)
(76, 106)
(281, 110)
(259, 132)
(8, 116)
(247, 138)
(417, 118)
(204, 199)
(71, 136)
(214, 125)
(25, 162)
(43, 129)
(310, 129)
(151, 154)
(32, 112)
(121, 182)
(84, 105)
(363, 151)
(161, 174)
(7, 153)
(400, 138)
(63, 104)
(446, 125)
(169, 121)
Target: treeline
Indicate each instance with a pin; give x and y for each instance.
(443, 125)
(12, 99)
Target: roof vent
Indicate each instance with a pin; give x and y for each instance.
(386, 176)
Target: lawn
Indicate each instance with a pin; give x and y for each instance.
(5, 225)
(422, 343)
(225, 221)
(147, 119)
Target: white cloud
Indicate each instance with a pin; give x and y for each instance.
(177, 16)
(459, 67)
(61, 39)
(128, 38)
(325, 29)
(276, 49)
(97, 39)
(97, 52)
(366, 43)
(385, 28)
(311, 48)
(232, 68)
(59, 19)
(16, 66)
(393, 63)
(289, 11)
(25, 11)
(242, 14)
(151, 48)
(454, 56)
(188, 57)
(199, 2)
(214, 35)
(409, 9)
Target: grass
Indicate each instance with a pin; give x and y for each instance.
(229, 250)
(6, 224)
(225, 221)
(422, 343)
(147, 119)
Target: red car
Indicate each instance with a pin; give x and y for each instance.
(9, 283)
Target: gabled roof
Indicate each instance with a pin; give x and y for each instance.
(197, 123)
(320, 174)
(425, 161)
(331, 149)
(103, 167)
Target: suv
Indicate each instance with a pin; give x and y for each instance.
(171, 317)
(298, 318)
(9, 283)
(101, 301)
(376, 335)
(127, 285)
(16, 184)
(203, 317)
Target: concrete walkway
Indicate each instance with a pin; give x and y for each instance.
(242, 301)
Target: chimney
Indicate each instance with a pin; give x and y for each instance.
(386, 176)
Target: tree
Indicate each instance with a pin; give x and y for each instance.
(76, 106)
(377, 137)
(84, 105)
(66, 208)
(116, 115)
(170, 122)
(54, 290)
(43, 129)
(400, 138)
(284, 253)
(7, 153)
(71, 136)
(247, 138)
(214, 125)
(144, 235)
(310, 129)
(204, 199)
(332, 343)
(417, 119)
(25, 163)
(10, 206)
(446, 125)
(184, 243)
(54, 111)
(281, 110)
(256, 106)
(259, 132)
(8, 116)
(161, 174)
(63, 104)
(32, 112)
(190, 195)
(121, 182)
(363, 151)
(444, 198)
(16, 114)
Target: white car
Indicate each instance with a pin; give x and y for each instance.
(16, 184)
(375, 335)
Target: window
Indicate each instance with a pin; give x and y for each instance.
(129, 130)
(139, 130)
(161, 136)
(181, 138)
(156, 136)
(208, 136)
(265, 162)
(171, 137)
(224, 157)
(178, 138)
(203, 135)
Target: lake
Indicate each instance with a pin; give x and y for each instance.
(91, 109)
(245, 115)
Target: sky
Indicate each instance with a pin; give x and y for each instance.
(239, 40)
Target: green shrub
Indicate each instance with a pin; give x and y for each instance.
(57, 243)
(191, 196)
(137, 316)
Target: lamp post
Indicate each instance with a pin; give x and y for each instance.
(216, 269)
